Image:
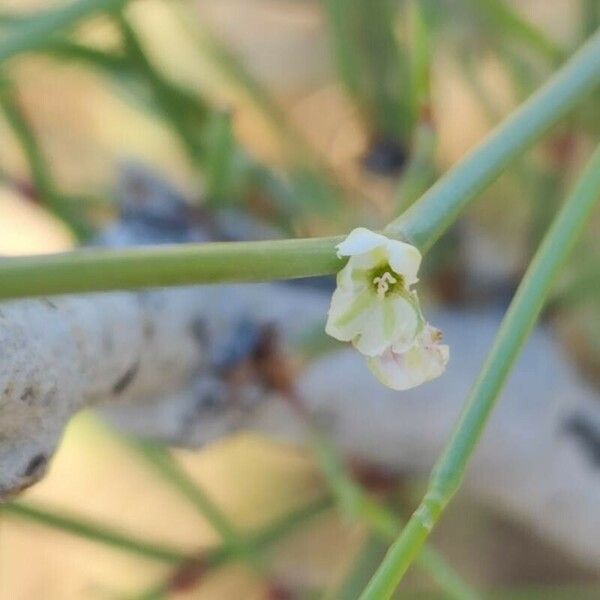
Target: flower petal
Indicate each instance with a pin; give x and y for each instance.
(374, 338)
(360, 241)
(403, 324)
(426, 360)
(347, 312)
(404, 259)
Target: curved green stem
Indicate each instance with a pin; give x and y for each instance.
(516, 327)
(426, 220)
(356, 504)
(32, 33)
(423, 223)
(92, 531)
(40, 172)
(165, 465)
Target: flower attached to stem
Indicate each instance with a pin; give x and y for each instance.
(375, 308)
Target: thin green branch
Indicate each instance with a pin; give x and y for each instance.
(360, 571)
(426, 220)
(309, 168)
(507, 21)
(95, 532)
(32, 33)
(516, 327)
(40, 172)
(258, 543)
(423, 223)
(165, 465)
(420, 171)
(372, 65)
(165, 96)
(166, 265)
(419, 59)
(589, 18)
(355, 503)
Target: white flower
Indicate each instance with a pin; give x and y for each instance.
(403, 370)
(373, 306)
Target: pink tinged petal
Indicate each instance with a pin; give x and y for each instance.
(426, 360)
(360, 241)
(404, 259)
(391, 370)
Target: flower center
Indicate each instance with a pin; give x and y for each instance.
(383, 282)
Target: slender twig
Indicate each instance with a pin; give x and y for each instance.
(32, 33)
(258, 543)
(419, 60)
(426, 220)
(362, 568)
(93, 531)
(372, 65)
(165, 97)
(383, 522)
(167, 265)
(45, 188)
(164, 464)
(516, 326)
(510, 23)
(423, 223)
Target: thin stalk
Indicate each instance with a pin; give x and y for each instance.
(95, 532)
(32, 33)
(258, 543)
(164, 464)
(420, 172)
(516, 327)
(166, 99)
(590, 17)
(419, 60)
(423, 223)
(355, 503)
(360, 571)
(426, 220)
(154, 266)
(40, 172)
(309, 168)
(510, 23)
(372, 65)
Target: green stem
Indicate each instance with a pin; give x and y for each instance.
(258, 543)
(509, 23)
(33, 33)
(426, 220)
(423, 223)
(95, 532)
(166, 265)
(41, 177)
(164, 464)
(516, 326)
(355, 503)
(165, 97)
(361, 569)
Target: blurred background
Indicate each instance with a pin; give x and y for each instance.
(310, 117)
